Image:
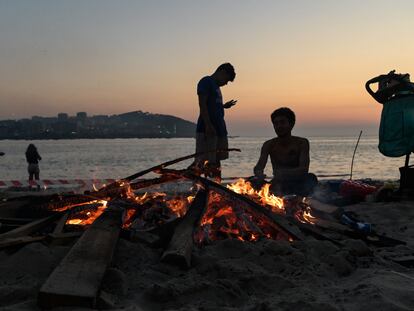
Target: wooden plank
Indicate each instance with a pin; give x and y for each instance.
(30, 227)
(19, 241)
(19, 221)
(180, 247)
(324, 210)
(63, 238)
(331, 225)
(76, 280)
(61, 223)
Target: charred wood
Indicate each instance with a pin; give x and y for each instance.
(180, 248)
(31, 227)
(14, 241)
(157, 167)
(61, 223)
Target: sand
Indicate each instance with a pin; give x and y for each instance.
(233, 275)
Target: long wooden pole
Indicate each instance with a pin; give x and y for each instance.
(353, 156)
(159, 167)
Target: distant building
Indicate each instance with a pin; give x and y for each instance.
(62, 116)
(81, 116)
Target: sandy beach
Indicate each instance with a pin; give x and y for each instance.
(235, 275)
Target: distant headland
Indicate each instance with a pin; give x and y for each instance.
(135, 124)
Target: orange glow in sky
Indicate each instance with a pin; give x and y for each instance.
(108, 57)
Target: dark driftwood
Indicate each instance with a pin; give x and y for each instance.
(17, 221)
(61, 223)
(76, 280)
(157, 167)
(152, 182)
(285, 225)
(324, 210)
(30, 228)
(63, 238)
(20, 241)
(180, 248)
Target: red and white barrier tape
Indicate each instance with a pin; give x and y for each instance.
(56, 183)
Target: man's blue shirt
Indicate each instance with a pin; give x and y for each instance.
(207, 86)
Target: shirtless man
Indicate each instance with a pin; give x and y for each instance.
(289, 156)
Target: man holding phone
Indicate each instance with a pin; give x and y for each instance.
(211, 134)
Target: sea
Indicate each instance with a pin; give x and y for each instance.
(117, 158)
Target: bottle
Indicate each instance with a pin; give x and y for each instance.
(359, 226)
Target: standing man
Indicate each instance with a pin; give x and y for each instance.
(289, 156)
(211, 135)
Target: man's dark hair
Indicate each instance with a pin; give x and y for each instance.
(229, 69)
(285, 112)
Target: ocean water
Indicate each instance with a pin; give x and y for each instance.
(117, 158)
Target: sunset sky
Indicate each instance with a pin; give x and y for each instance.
(109, 57)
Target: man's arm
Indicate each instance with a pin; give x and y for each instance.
(202, 102)
(261, 164)
(284, 174)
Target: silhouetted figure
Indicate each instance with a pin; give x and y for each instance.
(33, 158)
(211, 132)
(289, 156)
(1, 154)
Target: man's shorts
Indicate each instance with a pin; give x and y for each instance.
(214, 145)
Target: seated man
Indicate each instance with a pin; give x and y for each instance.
(289, 156)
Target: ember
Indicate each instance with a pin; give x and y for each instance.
(225, 218)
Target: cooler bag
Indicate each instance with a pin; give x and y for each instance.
(396, 132)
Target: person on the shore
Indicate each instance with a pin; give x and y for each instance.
(211, 133)
(33, 158)
(289, 156)
(2, 153)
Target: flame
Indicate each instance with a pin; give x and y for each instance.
(266, 198)
(177, 206)
(129, 215)
(88, 217)
(226, 219)
(300, 210)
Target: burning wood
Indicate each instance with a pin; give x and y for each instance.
(228, 218)
(181, 245)
(282, 223)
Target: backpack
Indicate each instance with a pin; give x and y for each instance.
(396, 132)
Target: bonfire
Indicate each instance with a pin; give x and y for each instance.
(201, 213)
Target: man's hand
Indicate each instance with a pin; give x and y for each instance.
(229, 104)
